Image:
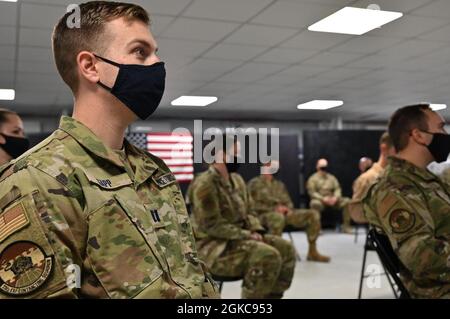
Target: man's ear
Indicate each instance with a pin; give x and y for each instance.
(87, 68)
(419, 136)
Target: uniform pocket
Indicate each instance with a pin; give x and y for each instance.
(120, 256)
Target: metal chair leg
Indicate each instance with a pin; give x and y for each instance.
(391, 283)
(361, 281)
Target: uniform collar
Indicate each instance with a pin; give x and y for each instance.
(217, 177)
(401, 165)
(145, 166)
(265, 180)
(86, 138)
(323, 176)
(215, 173)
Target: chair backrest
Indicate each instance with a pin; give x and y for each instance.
(389, 258)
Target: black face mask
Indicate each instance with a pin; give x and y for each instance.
(439, 146)
(324, 169)
(139, 87)
(15, 146)
(234, 166)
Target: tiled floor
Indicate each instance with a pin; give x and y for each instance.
(336, 280)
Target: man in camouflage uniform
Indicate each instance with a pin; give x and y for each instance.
(229, 233)
(85, 214)
(365, 180)
(325, 191)
(412, 206)
(275, 209)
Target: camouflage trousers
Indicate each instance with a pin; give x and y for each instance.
(341, 204)
(266, 267)
(309, 219)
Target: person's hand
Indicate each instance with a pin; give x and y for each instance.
(333, 201)
(327, 201)
(282, 209)
(256, 236)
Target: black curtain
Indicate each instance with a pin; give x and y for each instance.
(343, 149)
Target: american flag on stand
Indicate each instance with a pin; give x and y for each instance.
(176, 150)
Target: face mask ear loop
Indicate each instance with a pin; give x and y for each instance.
(107, 61)
(107, 88)
(110, 62)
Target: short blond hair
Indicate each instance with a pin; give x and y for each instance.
(68, 42)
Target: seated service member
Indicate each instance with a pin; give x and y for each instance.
(275, 209)
(230, 236)
(325, 191)
(85, 213)
(411, 205)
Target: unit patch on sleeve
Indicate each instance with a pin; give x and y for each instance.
(24, 268)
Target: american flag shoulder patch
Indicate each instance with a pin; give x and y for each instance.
(12, 220)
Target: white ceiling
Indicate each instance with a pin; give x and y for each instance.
(257, 56)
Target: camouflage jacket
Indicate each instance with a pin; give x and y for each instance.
(73, 213)
(268, 194)
(223, 211)
(446, 176)
(319, 186)
(412, 206)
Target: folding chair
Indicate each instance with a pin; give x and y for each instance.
(389, 261)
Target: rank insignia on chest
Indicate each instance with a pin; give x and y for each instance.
(105, 183)
(155, 215)
(164, 180)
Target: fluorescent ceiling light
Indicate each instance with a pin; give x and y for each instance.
(8, 0)
(438, 107)
(194, 100)
(8, 95)
(350, 20)
(320, 105)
